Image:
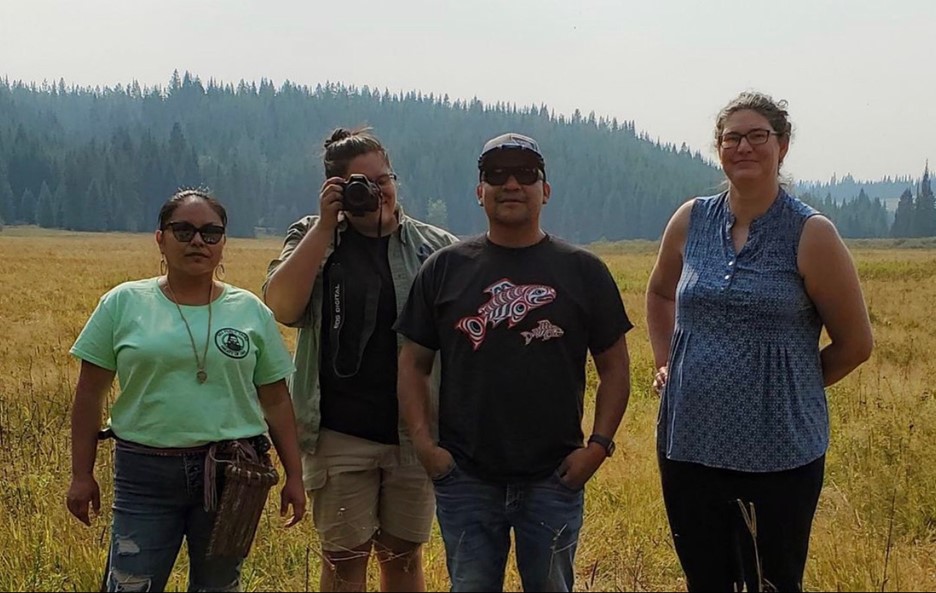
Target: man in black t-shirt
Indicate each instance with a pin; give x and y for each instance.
(513, 313)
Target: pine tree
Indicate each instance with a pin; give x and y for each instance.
(26, 213)
(175, 83)
(92, 218)
(925, 214)
(58, 204)
(903, 216)
(7, 201)
(45, 214)
(437, 213)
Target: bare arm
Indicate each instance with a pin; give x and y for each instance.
(831, 281)
(290, 287)
(414, 370)
(613, 366)
(278, 411)
(661, 289)
(88, 407)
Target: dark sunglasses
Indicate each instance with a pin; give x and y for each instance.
(185, 232)
(523, 175)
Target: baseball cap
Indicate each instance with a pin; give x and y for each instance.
(512, 142)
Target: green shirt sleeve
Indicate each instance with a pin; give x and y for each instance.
(95, 343)
(273, 362)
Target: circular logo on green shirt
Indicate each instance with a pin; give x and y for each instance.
(232, 342)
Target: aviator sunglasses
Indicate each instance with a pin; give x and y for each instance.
(499, 176)
(185, 232)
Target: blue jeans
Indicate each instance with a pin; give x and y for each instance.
(158, 501)
(476, 516)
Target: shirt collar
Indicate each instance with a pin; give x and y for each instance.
(772, 212)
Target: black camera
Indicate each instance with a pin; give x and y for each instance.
(359, 195)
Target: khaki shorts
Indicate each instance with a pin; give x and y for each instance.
(359, 487)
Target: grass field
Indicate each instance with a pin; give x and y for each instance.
(875, 528)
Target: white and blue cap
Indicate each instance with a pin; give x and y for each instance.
(517, 146)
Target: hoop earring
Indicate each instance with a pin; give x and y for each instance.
(219, 272)
(163, 266)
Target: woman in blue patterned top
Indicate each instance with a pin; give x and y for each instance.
(743, 285)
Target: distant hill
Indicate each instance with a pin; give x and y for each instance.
(106, 158)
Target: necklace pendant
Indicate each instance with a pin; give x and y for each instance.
(201, 375)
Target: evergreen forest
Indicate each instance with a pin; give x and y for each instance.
(105, 159)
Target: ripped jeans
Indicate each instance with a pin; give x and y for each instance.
(158, 501)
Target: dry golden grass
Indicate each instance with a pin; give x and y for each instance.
(875, 529)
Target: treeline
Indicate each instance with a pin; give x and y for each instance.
(98, 159)
(847, 188)
(916, 215)
(858, 218)
(864, 217)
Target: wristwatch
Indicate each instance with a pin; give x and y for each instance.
(605, 442)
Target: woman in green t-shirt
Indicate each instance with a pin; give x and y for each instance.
(202, 369)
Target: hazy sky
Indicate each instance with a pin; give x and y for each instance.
(859, 76)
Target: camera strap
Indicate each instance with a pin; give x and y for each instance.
(337, 288)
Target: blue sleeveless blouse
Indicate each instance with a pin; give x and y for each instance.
(745, 388)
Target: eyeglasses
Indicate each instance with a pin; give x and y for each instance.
(754, 137)
(523, 175)
(185, 232)
(386, 180)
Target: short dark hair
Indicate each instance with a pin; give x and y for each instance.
(181, 196)
(343, 145)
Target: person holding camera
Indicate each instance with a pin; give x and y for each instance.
(514, 314)
(341, 279)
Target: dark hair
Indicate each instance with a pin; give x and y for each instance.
(774, 111)
(181, 196)
(343, 145)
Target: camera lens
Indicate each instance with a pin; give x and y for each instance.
(360, 195)
(356, 195)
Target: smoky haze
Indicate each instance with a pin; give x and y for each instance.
(858, 76)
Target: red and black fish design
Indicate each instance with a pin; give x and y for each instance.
(508, 302)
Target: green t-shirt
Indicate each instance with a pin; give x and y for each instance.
(137, 332)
